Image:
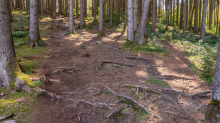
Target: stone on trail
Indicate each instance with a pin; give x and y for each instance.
(20, 86)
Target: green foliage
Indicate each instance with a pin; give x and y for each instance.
(140, 116)
(101, 67)
(19, 34)
(153, 80)
(38, 83)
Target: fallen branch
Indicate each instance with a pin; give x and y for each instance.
(114, 112)
(131, 100)
(100, 105)
(5, 117)
(52, 95)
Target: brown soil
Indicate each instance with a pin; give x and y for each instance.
(81, 55)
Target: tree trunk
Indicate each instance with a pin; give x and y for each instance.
(187, 14)
(125, 14)
(211, 14)
(195, 29)
(95, 4)
(181, 15)
(153, 16)
(34, 35)
(118, 5)
(85, 8)
(111, 13)
(42, 8)
(200, 11)
(130, 29)
(77, 9)
(101, 30)
(174, 12)
(213, 107)
(177, 13)
(139, 8)
(71, 21)
(139, 38)
(60, 7)
(135, 15)
(81, 14)
(167, 15)
(8, 63)
(202, 31)
(184, 25)
(66, 7)
(191, 18)
(54, 9)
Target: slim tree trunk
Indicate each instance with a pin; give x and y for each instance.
(187, 14)
(66, 7)
(177, 13)
(77, 8)
(71, 21)
(135, 15)
(42, 8)
(95, 4)
(130, 29)
(139, 8)
(111, 13)
(212, 113)
(101, 30)
(195, 29)
(81, 14)
(184, 25)
(54, 9)
(60, 7)
(181, 15)
(8, 63)
(153, 16)
(125, 14)
(139, 38)
(167, 15)
(85, 8)
(211, 14)
(202, 31)
(118, 5)
(191, 18)
(200, 11)
(174, 12)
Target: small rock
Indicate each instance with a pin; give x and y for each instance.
(98, 42)
(1, 94)
(20, 86)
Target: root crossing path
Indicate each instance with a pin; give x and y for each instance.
(90, 79)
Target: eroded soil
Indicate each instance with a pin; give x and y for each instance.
(75, 70)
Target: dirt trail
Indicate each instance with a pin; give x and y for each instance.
(75, 70)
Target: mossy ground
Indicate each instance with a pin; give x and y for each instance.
(20, 103)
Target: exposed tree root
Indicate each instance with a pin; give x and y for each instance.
(131, 100)
(187, 95)
(60, 69)
(134, 57)
(200, 106)
(151, 90)
(119, 63)
(114, 112)
(98, 104)
(183, 116)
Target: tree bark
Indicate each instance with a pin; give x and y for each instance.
(211, 14)
(181, 15)
(101, 30)
(34, 35)
(191, 18)
(111, 13)
(213, 107)
(177, 13)
(125, 15)
(77, 8)
(139, 8)
(202, 31)
(42, 8)
(54, 9)
(85, 8)
(139, 38)
(66, 7)
(200, 11)
(8, 63)
(153, 16)
(130, 29)
(81, 14)
(184, 25)
(95, 4)
(71, 21)
(195, 29)
(135, 15)
(118, 16)
(60, 7)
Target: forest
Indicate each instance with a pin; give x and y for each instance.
(109, 61)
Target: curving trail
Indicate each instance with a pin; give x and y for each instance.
(88, 72)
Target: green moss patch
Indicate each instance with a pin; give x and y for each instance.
(153, 80)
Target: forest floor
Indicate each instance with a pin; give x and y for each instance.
(92, 79)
